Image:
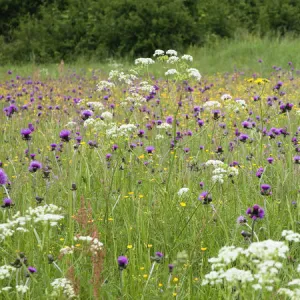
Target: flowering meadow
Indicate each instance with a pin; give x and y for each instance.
(151, 182)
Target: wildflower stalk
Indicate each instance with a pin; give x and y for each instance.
(6, 191)
(150, 274)
(252, 230)
(121, 282)
(169, 280)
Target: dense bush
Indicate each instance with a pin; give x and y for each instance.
(46, 31)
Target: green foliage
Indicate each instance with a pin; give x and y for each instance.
(48, 31)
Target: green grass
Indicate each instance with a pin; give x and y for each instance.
(130, 202)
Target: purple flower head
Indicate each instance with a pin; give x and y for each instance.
(270, 160)
(216, 114)
(65, 135)
(296, 159)
(53, 146)
(86, 114)
(7, 202)
(256, 212)
(26, 134)
(32, 270)
(150, 149)
(186, 150)
(108, 156)
(169, 120)
(205, 197)
(241, 220)
(3, 177)
(200, 123)
(31, 127)
(259, 172)
(34, 166)
(114, 147)
(171, 267)
(265, 190)
(122, 262)
(158, 257)
(243, 137)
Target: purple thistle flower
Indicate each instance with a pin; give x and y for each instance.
(53, 146)
(205, 197)
(108, 156)
(296, 159)
(26, 134)
(243, 137)
(32, 270)
(169, 120)
(265, 190)
(7, 202)
(171, 267)
(259, 172)
(122, 262)
(3, 177)
(241, 220)
(65, 135)
(86, 114)
(34, 166)
(256, 212)
(150, 149)
(270, 160)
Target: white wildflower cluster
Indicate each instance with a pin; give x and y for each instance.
(187, 57)
(293, 292)
(5, 289)
(94, 244)
(96, 124)
(164, 126)
(22, 288)
(121, 77)
(261, 259)
(71, 124)
(95, 105)
(291, 236)
(226, 97)
(123, 131)
(236, 105)
(67, 250)
(46, 213)
(6, 271)
(173, 60)
(159, 137)
(171, 72)
(107, 116)
(144, 61)
(221, 171)
(171, 52)
(65, 286)
(146, 87)
(159, 52)
(134, 99)
(105, 85)
(212, 104)
(194, 73)
(182, 191)
(214, 163)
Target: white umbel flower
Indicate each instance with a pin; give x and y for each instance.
(187, 57)
(171, 52)
(171, 72)
(182, 191)
(158, 52)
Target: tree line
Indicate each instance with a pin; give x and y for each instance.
(50, 30)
